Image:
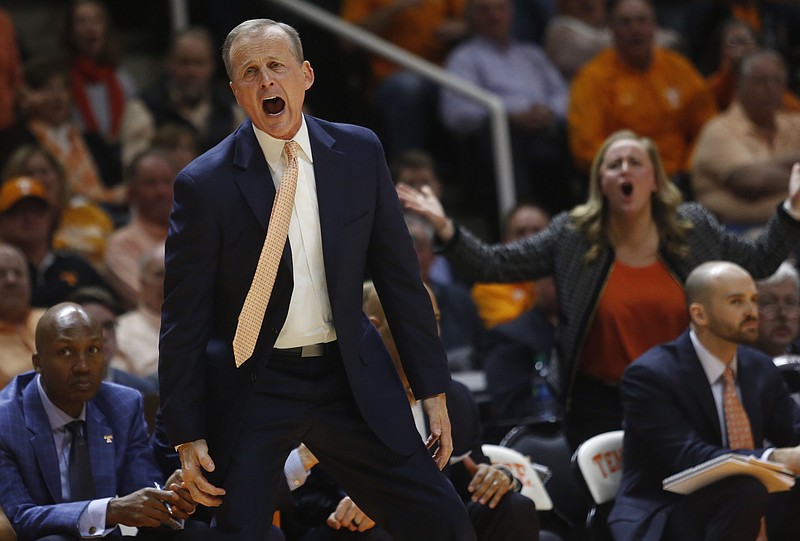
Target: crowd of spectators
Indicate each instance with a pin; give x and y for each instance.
(89, 151)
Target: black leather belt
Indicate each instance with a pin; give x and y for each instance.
(311, 350)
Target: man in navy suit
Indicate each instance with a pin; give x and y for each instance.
(35, 443)
(674, 419)
(319, 372)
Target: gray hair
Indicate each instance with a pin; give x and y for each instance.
(786, 271)
(254, 26)
(752, 58)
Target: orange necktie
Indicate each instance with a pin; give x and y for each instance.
(255, 304)
(740, 434)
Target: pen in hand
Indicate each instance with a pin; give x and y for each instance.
(172, 522)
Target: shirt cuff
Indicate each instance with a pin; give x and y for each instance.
(767, 454)
(294, 471)
(92, 522)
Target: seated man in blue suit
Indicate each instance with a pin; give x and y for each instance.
(60, 480)
(679, 399)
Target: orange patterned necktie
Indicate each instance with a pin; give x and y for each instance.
(740, 434)
(255, 304)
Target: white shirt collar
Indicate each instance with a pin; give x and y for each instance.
(712, 366)
(273, 148)
(56, 417)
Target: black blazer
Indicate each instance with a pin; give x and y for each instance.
(671, 423)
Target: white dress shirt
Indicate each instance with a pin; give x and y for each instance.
(310, 319)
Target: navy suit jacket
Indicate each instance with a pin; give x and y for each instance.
(671, 423)
(219, 219)
(30, 482)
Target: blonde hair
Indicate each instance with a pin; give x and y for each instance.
(591, 217)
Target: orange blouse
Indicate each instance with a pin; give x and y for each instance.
(640, 307)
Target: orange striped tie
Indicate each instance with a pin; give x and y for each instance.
(255, 304)
(737, 423)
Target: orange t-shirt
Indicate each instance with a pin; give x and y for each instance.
(669, 103)
(413, 29)
(640, 307)
(500, 303)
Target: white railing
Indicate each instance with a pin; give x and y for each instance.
(501, 143)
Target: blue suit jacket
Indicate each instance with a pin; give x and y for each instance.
(671, 423)
(217, 228)
(30, 483)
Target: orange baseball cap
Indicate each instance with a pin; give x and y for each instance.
(18, 188)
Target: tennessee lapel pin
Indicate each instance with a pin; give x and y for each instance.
(109, 438)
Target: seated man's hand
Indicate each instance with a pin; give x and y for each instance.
(144, 508)
(488, 484)
(348, 515)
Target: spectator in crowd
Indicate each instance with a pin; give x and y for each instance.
(576, 34)
(489, 492)
(10, 71)
(26, 221)
(618, 262)
(17, 318)
(461, 327)
(99, 303)
(517, 356)
(188, 95)
(580, 30)
(779, 312)
(81, 226)
(10, 82)
(179, 142)
(535, 98)
(738, 39)
(46, 104)
(744, 155)
(639, 86)
(406, 101)
(417, 168)
(100, 88)
(694, 399)
(76, 461)
(520, 319)
(137, 333)
(773, 21)
(150, 179)
(500, 303)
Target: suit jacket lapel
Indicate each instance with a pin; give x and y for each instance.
(697, 383)
(330, 198)
(747, 378)
(100, 438)
(44, 447)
